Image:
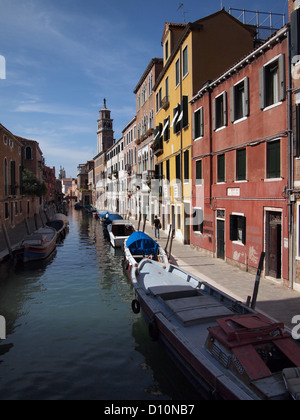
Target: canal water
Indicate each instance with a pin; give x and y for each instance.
(71, 333)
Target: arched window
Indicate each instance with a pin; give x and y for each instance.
(28, 153)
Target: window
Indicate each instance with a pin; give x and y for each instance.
(158, 100)
(199, 172)
(241, 165)
(272, 87)
(166, 129)
(238, 228)
(168, 170)
(273, 159)
(181, 115)
(220, 111)
(178, 168)
(167, 50)
(167, 88)
(198, 124)
(186, 166)
(197, 220)
(221, 168)
(28, 153)
(185, 64)
(177, 72)
(239, 100)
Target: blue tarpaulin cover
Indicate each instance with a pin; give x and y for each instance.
(141, 244)
(109, 217)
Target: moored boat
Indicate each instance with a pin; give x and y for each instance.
(226, 349)
(37, 246)
(139, 246)
(119, 231)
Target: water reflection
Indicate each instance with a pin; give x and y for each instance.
(70, 330)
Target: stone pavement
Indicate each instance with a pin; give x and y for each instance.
(274, 300)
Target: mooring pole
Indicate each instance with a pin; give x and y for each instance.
(7, 240)
(257, 280)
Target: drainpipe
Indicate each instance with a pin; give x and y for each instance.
(290, 165)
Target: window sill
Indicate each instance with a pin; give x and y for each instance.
(273, 179)
(240, 120)
(220, 128)
(238, 243)
(198, 138)
(272, 106)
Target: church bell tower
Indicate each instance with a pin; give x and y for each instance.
(105, 133)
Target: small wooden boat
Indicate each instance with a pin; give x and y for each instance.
(60, 227)
(119, 231)
(226, 349)
(37, 246)
(139, 246)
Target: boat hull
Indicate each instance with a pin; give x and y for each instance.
(38, 246)
(182, 313)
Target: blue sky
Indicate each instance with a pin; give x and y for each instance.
(64, 56)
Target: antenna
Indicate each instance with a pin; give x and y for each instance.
(181, 6)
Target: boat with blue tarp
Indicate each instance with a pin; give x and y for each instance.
(139, 246)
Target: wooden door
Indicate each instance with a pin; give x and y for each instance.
(273, 245)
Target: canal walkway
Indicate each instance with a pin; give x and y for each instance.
(274, 300)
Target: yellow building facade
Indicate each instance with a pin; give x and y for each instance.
(192, 54)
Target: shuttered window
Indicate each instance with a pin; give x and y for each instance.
(241, 165)
(272, 83)
(199, 172)
(239, 100)
(186, 166)
(220, 111)
(198, 124)
(221, 168)
(273, 159)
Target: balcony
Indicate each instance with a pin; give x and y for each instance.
(157, 147)
(165, 103)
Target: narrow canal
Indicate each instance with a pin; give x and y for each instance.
(70, 330)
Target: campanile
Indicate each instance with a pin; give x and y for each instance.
(105, 133)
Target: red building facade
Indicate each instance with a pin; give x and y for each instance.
(241, 161)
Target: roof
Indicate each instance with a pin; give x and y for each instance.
(146, 72)
(189, 27)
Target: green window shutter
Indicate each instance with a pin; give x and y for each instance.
(185, 107)
(282, 78)
(198, 172)
(247, 97)
(232, 104)
(241, 165)
(225, 109)
(221, 168)
(262, 88)
(201, 122)
(273, 159)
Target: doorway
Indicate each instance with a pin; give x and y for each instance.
(273, 244)
(221, 234)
